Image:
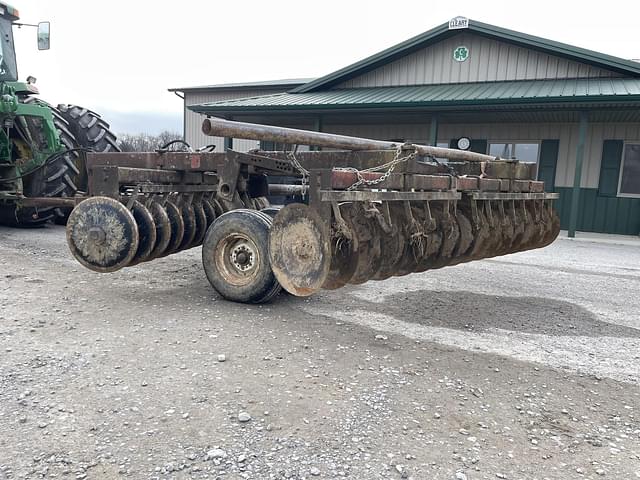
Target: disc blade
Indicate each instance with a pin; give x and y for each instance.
(261, 202)
(408, 259)
(228, 205)
(217, 207)
(201, 225)
(209, 211)
(299, 249)
(163, 229)
(189, 219)
(369, 245)
(553, 226)
(344, 252)
(102, 234)
(392, 244)
(272, 211)
(466, 238)
(449, 233)
(427, 250)
(146, 232)
(177, 227)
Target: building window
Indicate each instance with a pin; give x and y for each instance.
(630, 171)
(525, 152)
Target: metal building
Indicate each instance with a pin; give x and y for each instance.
(471, 85)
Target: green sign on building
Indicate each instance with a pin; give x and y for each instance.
(460, 53)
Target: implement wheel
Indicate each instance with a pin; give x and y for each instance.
(235, 256)
(300, 250)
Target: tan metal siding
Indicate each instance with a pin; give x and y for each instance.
(410, 132)
(567, 133)
(193, 121)
(489, 60)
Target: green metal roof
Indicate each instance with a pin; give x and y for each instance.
(610, 90)
(439, 33)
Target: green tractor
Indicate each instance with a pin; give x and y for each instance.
(42, 147)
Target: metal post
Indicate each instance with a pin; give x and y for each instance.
(228, 141)
(433, 137)
(577, 177)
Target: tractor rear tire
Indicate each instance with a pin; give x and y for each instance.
(59, 178)
(90, 130)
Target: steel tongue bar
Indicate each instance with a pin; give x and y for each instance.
(218, 127)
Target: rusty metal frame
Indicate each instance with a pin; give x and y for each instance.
(513, 196)
(224, 174)
(370, 196)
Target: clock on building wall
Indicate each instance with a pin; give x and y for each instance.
(464, 143)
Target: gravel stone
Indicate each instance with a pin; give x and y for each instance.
(244, 417)
(560, 324)
(216, 453)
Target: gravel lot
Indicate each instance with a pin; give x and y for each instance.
(521, 367)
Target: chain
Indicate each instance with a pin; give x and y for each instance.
(305, 173)
(389, 166)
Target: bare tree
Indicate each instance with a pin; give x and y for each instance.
(143, 142)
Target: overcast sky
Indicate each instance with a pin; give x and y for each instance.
(120, 57)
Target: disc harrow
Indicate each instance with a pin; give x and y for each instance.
(371, 212)
(106, 237)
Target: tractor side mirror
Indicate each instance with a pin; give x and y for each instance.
(43, 35)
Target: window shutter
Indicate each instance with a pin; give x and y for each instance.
(548, 161)
(610, 168)
(478, 146)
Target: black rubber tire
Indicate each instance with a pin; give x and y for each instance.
(262, 286)
(277, 288)
(272, 210)
(58, 179)
(89, 129)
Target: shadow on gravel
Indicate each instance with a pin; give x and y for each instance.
(467, 311)
(186, 286)
(573, 271)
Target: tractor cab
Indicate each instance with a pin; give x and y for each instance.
(8, 65)
(9, 17)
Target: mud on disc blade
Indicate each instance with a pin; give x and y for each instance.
(102, 234)
(299, 250)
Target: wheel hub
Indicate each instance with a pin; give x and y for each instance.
(243, 257)
(97, 235)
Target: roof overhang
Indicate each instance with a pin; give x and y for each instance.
(531, 94)
(287, 83)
